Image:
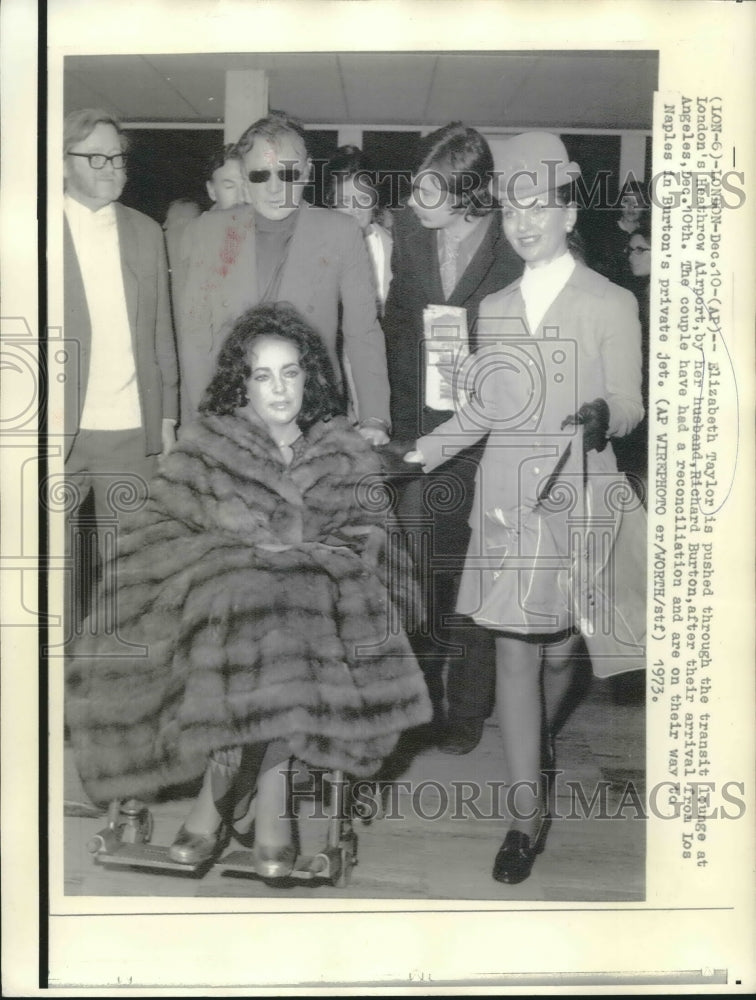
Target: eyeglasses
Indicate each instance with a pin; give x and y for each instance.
(98, 160)
(633, 250)
(287, 175)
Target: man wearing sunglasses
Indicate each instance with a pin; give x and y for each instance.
(279, 248)
(121, 384)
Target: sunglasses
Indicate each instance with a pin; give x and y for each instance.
(287, 175)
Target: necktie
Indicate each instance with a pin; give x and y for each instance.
(448, 265)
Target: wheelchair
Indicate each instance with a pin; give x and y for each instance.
(126, 839)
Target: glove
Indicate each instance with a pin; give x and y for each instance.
(594, 417)
(393, 455)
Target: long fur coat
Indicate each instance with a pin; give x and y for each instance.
(256, 597)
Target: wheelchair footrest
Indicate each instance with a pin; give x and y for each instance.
(143, 856)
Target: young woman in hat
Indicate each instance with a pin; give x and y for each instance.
(558, 348)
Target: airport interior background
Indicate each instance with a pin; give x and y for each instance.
(178, 110)
(601, 103)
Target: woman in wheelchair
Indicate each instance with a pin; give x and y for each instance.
(250, 595)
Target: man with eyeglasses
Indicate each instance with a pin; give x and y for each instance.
(121, 386)
(280, 248)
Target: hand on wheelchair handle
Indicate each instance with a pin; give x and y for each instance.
(594, 417)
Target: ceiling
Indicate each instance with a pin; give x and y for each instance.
(591, 90)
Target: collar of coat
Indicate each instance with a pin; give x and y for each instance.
(582, 278)
(226, 474)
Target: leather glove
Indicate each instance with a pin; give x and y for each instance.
(594, 417)
(393, 455)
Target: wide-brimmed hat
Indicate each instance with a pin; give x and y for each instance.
(531, 164)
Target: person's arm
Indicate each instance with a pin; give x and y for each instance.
(494, 389)
(492, 392)
(165, 349)
(621, 360)
(364, 344)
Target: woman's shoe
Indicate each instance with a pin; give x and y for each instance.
(274, 862)
(194, 848)
(516, 856)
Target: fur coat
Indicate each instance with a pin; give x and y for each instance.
(255, 597)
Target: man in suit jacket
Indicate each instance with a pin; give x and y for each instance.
(351, 189)
(449, 249)
(276, 249)
(121, 387)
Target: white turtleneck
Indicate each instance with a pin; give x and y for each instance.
(112, 396)
(541, 285)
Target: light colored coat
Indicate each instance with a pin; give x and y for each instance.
(526, 382)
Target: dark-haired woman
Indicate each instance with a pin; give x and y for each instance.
(561, 339)
(449, 250)
(609, 245)
(253, 580)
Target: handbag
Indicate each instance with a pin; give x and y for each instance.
(608, 581)
(582, 565)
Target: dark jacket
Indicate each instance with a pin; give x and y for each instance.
(417, 283)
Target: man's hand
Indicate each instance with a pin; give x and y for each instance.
(594, 417)
(395, 454)
(374, 435)
(374, 430)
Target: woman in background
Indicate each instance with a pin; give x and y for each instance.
(608, 247)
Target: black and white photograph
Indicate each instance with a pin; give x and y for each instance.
(391, 435)
(472, 736)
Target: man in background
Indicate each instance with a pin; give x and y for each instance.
(449, 253)
(278, 248)
(225, 182)
(121, 391)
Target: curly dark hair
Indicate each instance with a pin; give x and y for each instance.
(227, 390)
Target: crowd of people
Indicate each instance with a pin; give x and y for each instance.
(256, 385)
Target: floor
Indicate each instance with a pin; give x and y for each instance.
(429, 844)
